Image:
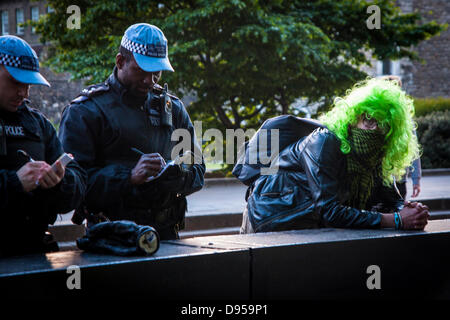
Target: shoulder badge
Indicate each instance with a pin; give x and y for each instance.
(95, 89)
(91, 91)
(30, 107)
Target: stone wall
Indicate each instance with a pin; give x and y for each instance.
(51, 101)
(431, 79)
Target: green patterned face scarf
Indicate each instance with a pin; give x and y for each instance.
(363, 164)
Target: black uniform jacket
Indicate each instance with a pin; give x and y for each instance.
(25, 215)
(100, 128)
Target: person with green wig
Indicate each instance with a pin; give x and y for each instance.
(343, 173)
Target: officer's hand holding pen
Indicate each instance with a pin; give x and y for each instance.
(148, 165)
(39, 173)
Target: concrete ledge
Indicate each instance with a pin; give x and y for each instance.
(436, 172)
(303, 264)
(439, 215)
(212, 221)
(210, 182)
(209, 232)
(437, 204)
(175, 272)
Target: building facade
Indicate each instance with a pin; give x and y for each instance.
(13, 13)
(430, 78)
(50, 100)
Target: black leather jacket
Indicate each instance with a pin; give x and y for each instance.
(308, 191)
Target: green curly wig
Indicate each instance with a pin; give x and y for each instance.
(385, 101)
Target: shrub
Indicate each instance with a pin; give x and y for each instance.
(434, 135)
(424, 106)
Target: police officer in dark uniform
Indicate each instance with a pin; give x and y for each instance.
(121, 132)
(32, 193)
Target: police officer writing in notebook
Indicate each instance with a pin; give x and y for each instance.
(121, 130)
(32, 193)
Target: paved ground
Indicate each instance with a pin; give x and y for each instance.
(230, 198)
(432, 187)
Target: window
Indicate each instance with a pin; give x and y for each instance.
(34, 17)
(387, 66)
(5, 23)
(19, 20)
(50, 9)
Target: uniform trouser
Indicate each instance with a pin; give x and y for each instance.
(168, 234)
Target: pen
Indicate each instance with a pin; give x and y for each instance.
(163, 163)
(137, 151)
(30, 159)
(25, 154)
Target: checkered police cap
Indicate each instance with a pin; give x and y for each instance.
(149, 50)
(22, 62)
(148, 46)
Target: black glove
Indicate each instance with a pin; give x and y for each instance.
(174, 179)
(121, 238)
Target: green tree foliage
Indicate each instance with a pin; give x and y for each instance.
(247, 60)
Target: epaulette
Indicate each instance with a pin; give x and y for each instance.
(30, 107)
(91, 91)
